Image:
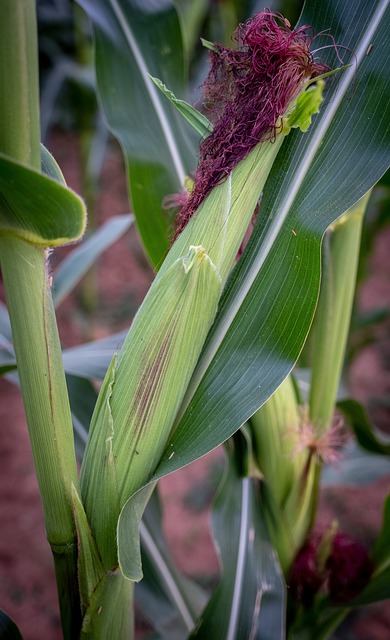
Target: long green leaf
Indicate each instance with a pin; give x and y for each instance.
(77, 263)
(196, 119)
(132, 40)
(250, 599)
(169, 600)
(367, 437)
(357, 467)
(91, 360)
(268, 306)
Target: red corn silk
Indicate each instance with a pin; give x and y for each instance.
(349, 568)
(247, 91)
(344, 575)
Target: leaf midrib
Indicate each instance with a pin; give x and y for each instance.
(275, 227)
(151, 90)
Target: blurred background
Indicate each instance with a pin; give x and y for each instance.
(107, 298)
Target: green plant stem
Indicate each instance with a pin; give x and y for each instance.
(42, 381)
(34, 329)
(334, 310)
(19, 89)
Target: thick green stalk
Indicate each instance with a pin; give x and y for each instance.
(19, 99)
(34, 328)
(333, 314)
(42, 381)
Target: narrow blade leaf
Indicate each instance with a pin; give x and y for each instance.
(134, 40)
(250, 599)
(76, 264)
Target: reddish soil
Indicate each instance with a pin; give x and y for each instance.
(27, 585)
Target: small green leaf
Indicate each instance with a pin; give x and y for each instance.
(49, 166)
(209, 45)
(37, 208)
(106, 505)
(377, 589)
(6, 368)
(196, 119)
(110, 612)
(169, 600)
(382, 546)
(129, 545)
(367, 437)
(90, 568)
(307, 104)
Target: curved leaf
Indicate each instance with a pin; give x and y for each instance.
(250, 599)
(169, 600)
(357, 467)
(77, 263)
(367, 437)
(134, 39)
(196, 119)
(50, 167)
(37, 208)
(267, 307)
(92, 359)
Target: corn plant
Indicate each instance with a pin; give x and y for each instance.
(297, 120)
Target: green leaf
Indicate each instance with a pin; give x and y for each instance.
(5, 325)
(77, 263)
(357, 467)
(308, 103)
(382, 546)
(170, 601)
(209, 45)
(6, 368)
(267, 308)
(377, 589)
(49, 166)
(134, 39)
(8, 629)
(250, 599)
(92, 359)
(82, 398)
(196, 119)
(90, 568)
(366, 436)
(37, 208)
(110, 612)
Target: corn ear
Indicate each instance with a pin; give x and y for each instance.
(289, 472)
(143, 390)
(222, 219)
(275, 428)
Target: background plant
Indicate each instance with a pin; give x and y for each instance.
(308, 229)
